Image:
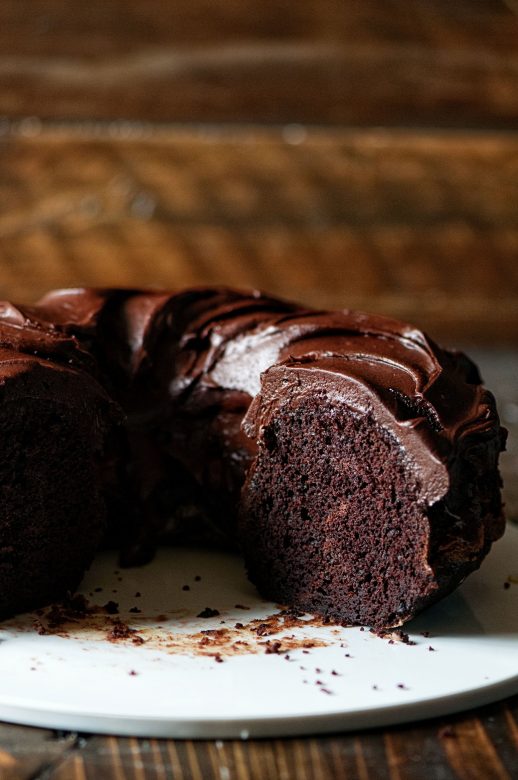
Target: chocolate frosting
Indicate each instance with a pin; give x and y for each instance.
(228, 355)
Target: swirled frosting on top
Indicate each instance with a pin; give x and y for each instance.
(168, 354)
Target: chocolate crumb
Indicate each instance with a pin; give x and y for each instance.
(272, 648)
(431, 649)
(402, 686)
(111, 607)
(97, 590)
(186, 587)
(317, 670)
(326, 690)
(319, 682)
(425, 634)
(240, 606)
(239, 625)
(138, 594)
(347, 655)
(197, 578)
(135, 610)
(208, 612)
(120, 630)
(132, 673)
(507, 585)
(263, 629)
(335, 673)
(375, 688)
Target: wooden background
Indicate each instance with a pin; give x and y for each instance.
(343, 153)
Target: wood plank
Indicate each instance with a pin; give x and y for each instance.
(25, 752)
(459, 747)
(420, 225)
(448, 63)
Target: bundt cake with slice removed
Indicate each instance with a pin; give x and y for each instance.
(352, 460)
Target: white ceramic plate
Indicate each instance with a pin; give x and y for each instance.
(168, 679)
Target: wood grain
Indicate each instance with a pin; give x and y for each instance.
(422, 226)
(24, 752)
(446, 63)
(463, 747)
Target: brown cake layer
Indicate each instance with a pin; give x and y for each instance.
(351, 459)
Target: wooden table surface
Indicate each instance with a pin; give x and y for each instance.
(343, 153)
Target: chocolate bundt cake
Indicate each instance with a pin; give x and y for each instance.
(351, 459)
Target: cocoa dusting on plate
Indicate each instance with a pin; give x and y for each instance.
(277, 634)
